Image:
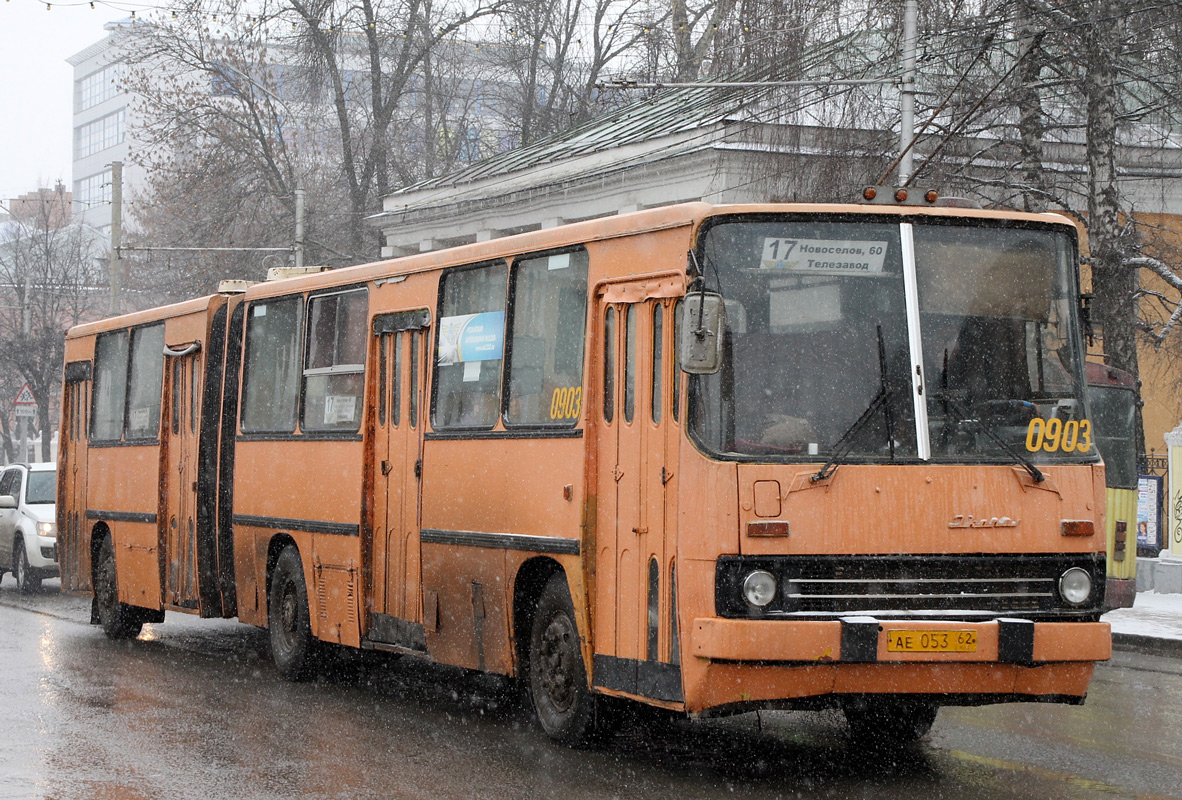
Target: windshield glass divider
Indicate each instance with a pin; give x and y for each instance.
(914, 340)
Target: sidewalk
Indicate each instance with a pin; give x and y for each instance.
(1153, 625)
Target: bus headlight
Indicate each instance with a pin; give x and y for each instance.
(759, 588)
(1075, 586)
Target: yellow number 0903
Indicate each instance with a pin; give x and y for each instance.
(566, 403)
(1054, 435)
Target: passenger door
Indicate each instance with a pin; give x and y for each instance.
(73, 549)
(402, 340)
(180, 477)
(633, 492)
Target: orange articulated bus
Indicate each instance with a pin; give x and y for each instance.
(707, 458)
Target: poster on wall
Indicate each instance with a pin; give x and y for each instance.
(1149, 488)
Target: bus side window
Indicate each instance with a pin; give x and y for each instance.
(271, 372)
(413, 399)
(396, 380)
(549, 318)
(383, 377)
(145, 380)
(110, 374)
(675, 383)
(335, 361)
(629, 362)
(471, 337)
(658, 344)
(609, 365)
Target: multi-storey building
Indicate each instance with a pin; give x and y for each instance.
(103, 122)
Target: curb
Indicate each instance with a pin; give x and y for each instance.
(1147, 645)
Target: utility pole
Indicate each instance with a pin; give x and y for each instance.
(115, 268)
(907, 89)
(299, 228)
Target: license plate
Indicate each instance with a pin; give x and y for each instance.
(932, 641)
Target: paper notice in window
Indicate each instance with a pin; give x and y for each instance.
(828, 256)
(471, 371)
(339, 409)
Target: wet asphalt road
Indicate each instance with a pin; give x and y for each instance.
(194, 710)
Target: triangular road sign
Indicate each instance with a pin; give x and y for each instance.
(25, 397)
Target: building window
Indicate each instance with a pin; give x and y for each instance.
(94, 190)
(99, 135)
(99, 87)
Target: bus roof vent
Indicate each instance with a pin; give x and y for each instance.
(282, 273)
(234, 286)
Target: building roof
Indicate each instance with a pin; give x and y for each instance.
(671, 120)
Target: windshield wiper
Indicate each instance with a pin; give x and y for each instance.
(981, 427)
(844, 445)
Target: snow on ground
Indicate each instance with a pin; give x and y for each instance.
(1158, 615)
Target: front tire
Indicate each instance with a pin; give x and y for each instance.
(27, 581)
(289, 629)
(557, 677)
(119, 620)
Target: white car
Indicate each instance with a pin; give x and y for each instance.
(28, 523)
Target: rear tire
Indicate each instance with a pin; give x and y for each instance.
(27, 581)
(886, 723)
(557, 676)
(293, 649)
(119, 620)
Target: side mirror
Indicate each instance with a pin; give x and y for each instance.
(702, 323)
(7, 501)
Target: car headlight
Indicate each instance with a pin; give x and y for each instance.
(47, 528)
(759, 588)
(1075, 586)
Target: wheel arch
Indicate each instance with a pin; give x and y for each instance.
(278, 542)
(97, 534)
(528, 583)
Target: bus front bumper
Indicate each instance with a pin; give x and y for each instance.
(867, 640)
(748, 664)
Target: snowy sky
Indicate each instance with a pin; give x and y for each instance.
(36, 93)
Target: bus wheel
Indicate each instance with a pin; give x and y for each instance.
(290, 631)
(557, 677)
(888, 723)
(27, 581)
(119, 620)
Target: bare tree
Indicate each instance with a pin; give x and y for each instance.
(50, 277)
(547, 57)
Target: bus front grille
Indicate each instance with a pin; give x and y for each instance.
(895, 586)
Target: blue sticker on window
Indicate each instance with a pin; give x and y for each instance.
(471, 337)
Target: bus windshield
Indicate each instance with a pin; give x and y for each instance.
(819, 355)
